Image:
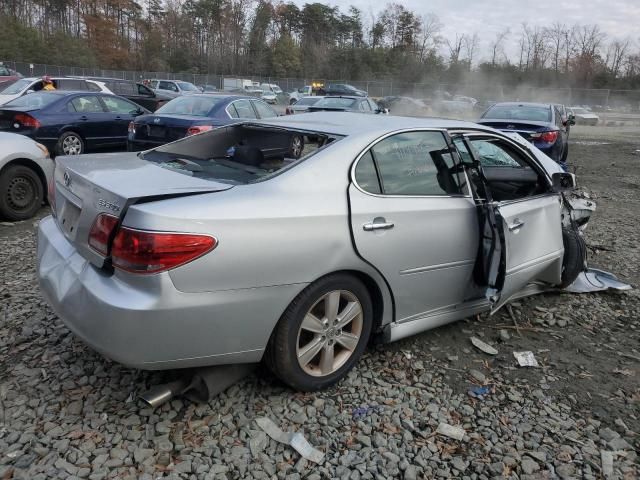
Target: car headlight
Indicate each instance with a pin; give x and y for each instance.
(44, 149)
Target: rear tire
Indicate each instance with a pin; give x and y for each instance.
(575, 256)
(322, 333)
(70, 143)
(21, 193)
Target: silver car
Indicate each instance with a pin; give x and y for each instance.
(25, 171)
(208, 251)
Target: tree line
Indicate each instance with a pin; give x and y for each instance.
(274, 38)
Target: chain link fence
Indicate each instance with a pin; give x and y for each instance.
(627, 101)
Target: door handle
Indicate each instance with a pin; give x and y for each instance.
(377, 224)
(516, 225)
(84, 117)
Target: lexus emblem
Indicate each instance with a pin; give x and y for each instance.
(156, 120)
(67, 179)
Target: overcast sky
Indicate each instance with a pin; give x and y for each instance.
(618, 18)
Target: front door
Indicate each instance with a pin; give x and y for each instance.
(527, 212)
(413, 219)
(89, 119)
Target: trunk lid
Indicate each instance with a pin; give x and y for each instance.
(167, 128)
(7, 118)
(89, 185)
(524, 128)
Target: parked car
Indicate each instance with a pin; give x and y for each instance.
(540, 123)
(341, 89)
(173, 88)
(25, 86)
(271, 87)
(269, 97)
(7, 75)
(346, 104)
(71, 123)
(405, 106)
(199, 113)
(208, 88)
(222, 259)
(25, 171)
(583, 116)
(136, 92)
(302, 105)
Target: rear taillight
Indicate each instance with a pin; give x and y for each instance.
(101, 232)
(198, 129)
(141, 251)
(26, 121)
(546, 137)
(132, 128)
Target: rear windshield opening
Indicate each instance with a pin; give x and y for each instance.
(519, 112)
(239, 154)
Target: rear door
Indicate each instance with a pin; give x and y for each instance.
(528, 214)
(89, 118)
(413, 219)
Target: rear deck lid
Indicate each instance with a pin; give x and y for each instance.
(89, 185)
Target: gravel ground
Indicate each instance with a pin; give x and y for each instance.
(65, 412)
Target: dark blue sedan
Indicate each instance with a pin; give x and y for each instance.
(192, 114)
(540, 123)
(71, 123)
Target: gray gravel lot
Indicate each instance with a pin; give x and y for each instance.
(65, 412)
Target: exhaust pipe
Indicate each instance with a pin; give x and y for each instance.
(205, 384)
(160, 394)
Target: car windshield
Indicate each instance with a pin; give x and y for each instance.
(187, 87)
(37, 100)
(237, 154)
(519, 112)
(190, 105)
(308, 101)
(16, 88)
(337, 102)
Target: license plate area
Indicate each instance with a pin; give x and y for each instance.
(156, 131)
(68, 218)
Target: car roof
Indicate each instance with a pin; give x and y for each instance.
(351, 97)
(345, 123)
(220, 95)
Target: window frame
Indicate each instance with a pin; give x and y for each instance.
(369, 147)
(250, 106)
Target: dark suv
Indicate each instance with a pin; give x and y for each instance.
(136, 92)
(342, 89)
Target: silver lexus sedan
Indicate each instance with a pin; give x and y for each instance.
(218, 249)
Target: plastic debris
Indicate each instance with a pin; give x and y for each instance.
(457, 433)
(485, 347)
(594, 280)
(607, 463)
(480, 392)
(293, 439)
(362, 412)
(526, 359)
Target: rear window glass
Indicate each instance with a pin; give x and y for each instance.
(198, 106)
(187, 87)
(35, 100)
(308, 101)
(16, 87)
(237, 154)
(519, 112)
(336, 102)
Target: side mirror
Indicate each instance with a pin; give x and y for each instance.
(572, 119)
(563, 182)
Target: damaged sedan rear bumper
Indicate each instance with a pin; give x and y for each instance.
(145, 322)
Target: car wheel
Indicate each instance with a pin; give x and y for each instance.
(322, 334)
(70, 143)
(21, 193)
(575, 254)
(296, 146)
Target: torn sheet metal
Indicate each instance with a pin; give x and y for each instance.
(485, 347)
(594, 280)
(293, 439)
(579, 212)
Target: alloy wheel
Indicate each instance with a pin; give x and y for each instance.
(296, 147)
(329, 333)
(72, 145)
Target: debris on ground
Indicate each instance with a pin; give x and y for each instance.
(485, 347)
(526, 359)
(457, 433)
(294, 439)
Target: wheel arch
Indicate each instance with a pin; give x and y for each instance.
(28, 163)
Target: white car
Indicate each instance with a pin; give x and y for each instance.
(35, 84)
(584, 116)
(271, 87)
(26, 170)
(269, 97)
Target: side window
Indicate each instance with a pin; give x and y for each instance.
(264, 110)
(142, 90)
(71, 84)
(463, 150)
(167, 86)
(87, 104)
(416, 163)
(118, 105)
(364, 106)
(493, 153)
(244, 109)
(366, 175)
(231, 110)
(126, 88)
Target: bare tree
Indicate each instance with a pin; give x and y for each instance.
(455, 48)
(497, 46)
(429, 37)
(556, 35)
(616, 55)
(470, 45)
